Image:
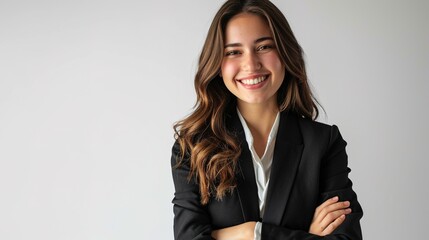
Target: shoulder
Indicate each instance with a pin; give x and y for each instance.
(317, 133)
(177, 156)
(313, 127)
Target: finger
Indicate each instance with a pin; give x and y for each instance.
(334, 225)
(333, 216)
(335, 207)
(325, 204)
(331, 208)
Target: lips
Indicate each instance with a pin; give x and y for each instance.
(253, 81)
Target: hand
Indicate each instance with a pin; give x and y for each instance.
(328, 216)
(244, 231)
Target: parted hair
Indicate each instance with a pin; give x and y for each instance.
(208, 147)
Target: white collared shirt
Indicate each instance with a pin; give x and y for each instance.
(261, 166)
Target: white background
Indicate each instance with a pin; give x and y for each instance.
(89, 91)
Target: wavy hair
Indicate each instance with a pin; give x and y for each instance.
(213, 151)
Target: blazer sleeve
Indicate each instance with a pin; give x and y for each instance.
(334, 181)
(191, 219)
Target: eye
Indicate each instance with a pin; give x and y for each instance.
(264, 47)
(232, 53)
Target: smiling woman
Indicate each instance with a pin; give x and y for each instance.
(251, 162)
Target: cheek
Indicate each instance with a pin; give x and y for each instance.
(228, 70)
(274, 61)
(275, 65)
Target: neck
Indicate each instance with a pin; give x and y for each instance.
(259, 117)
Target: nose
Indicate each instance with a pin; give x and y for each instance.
(251, 62)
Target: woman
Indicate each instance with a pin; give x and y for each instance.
(250, 162)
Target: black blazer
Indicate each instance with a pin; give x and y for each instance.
(309, 166)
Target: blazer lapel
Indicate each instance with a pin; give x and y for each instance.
(287, 154)
(246, 184)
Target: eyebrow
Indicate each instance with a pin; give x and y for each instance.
(256, 41)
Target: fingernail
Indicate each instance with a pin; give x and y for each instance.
(335, 198)
(347, 203)
(348, 210)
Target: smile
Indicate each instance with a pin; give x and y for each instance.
(254, 81)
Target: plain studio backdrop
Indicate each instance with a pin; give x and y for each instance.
(89, 91)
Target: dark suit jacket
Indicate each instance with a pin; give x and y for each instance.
(309, 166)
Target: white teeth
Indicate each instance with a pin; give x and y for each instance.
(253, 81)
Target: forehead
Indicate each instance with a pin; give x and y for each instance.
(246, 27)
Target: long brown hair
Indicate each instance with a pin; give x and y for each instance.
(211, 150)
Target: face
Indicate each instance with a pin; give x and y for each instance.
(251, 68)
